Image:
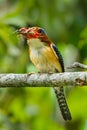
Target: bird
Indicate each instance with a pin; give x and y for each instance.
(47, 59)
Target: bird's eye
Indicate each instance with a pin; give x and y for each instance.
(42, 31)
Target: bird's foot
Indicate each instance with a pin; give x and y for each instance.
(31, 73)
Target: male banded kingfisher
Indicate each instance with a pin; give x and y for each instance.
(47, 59)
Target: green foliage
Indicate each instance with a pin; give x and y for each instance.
(65, 22)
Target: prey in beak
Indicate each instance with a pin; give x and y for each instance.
(26, 32)
(21, 31)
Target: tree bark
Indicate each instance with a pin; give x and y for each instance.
(43, 80)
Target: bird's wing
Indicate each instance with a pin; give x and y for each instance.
(58, 55)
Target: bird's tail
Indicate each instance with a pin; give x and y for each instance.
(62, 103)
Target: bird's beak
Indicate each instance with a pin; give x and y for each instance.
(20, 32)
(24, 32)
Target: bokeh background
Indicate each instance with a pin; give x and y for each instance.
(65, 22)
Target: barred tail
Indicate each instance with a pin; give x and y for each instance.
(62, 103)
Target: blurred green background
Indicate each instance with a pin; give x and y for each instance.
(65, 22)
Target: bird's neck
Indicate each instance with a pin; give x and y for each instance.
(36, 43)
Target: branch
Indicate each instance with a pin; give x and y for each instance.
(77, 65)
(44, 80)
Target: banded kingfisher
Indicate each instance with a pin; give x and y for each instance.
(47, 59)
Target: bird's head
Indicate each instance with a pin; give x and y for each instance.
(34, 33)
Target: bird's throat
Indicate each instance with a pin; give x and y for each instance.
(35, 43)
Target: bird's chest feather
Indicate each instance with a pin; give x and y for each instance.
(43, 57)
(41, 60)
